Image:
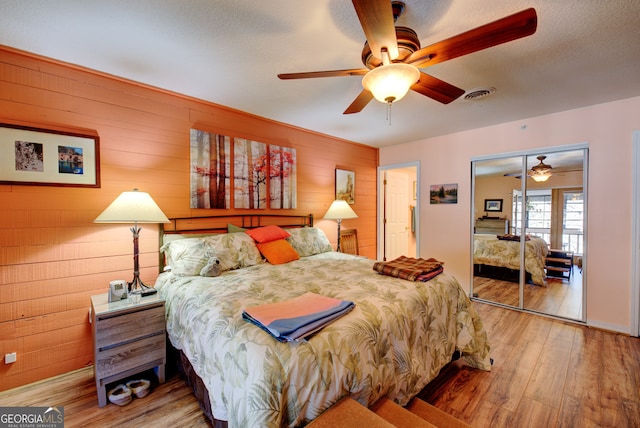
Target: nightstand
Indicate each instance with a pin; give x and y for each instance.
(128, 338)
(558, 263)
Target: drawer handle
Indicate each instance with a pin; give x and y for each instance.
(126, 342)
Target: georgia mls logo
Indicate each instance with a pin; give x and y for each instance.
(56, 412)
(31, 417)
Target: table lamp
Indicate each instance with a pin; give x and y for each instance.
(338, 211)
(134, 207)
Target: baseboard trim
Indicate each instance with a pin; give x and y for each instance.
(609, 327)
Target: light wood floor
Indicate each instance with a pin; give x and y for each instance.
(561, 297)
(546, 373)
(169, 405)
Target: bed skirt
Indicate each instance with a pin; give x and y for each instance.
(500, 273)
(184, 367)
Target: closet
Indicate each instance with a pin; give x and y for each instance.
(528, 232)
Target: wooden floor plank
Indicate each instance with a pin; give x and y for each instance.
(532, 413)
(548, 377)
(491, 415)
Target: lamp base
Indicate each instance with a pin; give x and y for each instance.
(148, 292)
(136, 286)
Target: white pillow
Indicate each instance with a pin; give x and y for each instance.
(186, 257)
(234, 250)
(308, 241)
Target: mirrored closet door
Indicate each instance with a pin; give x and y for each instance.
(528, 222)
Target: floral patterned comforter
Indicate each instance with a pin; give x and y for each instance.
(396, 339)
(491, 251)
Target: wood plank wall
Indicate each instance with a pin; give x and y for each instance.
(52, 255)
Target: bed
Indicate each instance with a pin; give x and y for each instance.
(396, 339)
(489, 251)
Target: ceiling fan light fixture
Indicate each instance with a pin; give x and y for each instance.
(540, 177)
(540, 172)
(389, 83)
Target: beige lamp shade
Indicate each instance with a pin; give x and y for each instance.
(340, 210)
(132, 207)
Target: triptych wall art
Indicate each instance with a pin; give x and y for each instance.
(210, 169)
(259, 176)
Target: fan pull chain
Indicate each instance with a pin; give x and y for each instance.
(389, 112)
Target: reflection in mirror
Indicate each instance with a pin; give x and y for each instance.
(541, 197)
(554, 213)
(496, 262)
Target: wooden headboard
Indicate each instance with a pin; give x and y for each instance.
(219, 223)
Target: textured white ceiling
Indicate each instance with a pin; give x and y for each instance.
(229, 52)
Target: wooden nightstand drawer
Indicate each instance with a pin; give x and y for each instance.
(124, 327)
(130, 355)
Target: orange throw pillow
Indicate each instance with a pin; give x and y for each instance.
(267, 233)
(278, 252)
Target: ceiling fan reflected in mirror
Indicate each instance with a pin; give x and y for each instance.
(393, 56)
(540, 172)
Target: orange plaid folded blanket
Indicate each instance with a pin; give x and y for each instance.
(410, 269)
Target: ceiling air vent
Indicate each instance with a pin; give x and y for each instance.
(478, 93)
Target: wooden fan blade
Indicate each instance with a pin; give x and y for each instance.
(560, 171)
(360, 102)
(437, 89)
(376, 19)
(330, 73)
(503, 30)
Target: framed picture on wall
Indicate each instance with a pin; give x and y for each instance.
(41, 157)
(493, 205)
(443, 193)
(346, 185)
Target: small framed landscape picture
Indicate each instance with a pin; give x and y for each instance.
(493, 205)
(346, 185)
(443, 193)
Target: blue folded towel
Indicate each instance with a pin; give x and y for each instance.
(297, 318)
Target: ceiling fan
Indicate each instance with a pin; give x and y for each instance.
(540, 172)
(392, 54)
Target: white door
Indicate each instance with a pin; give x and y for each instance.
(396, 214)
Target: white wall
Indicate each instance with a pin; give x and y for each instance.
(608, 130)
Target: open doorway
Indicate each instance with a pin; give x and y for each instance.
(399, 208)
